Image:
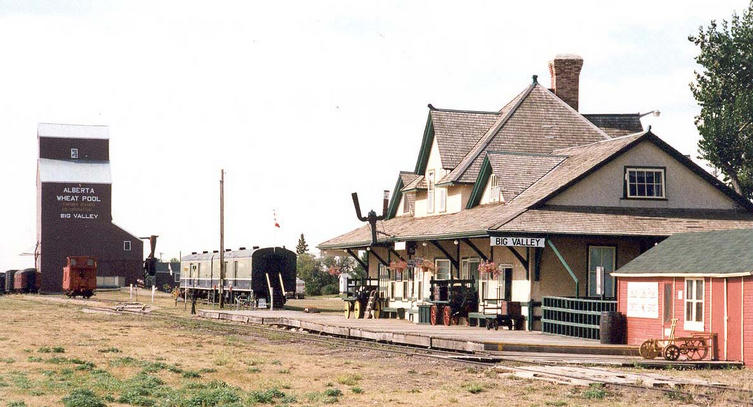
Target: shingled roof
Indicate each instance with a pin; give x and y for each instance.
(686, 255)
(528, 212)
(539, 122)
(457, 131)
(517, 171)
(617, 125)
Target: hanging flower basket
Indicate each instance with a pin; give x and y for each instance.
(398, 265)
(488, 267)
(334, 271)
(428, 265)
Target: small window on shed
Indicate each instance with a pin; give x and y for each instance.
(74, 153)
(127, 245)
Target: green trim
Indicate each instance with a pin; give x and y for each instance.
(423, 154)
(396, 195)
(567, 267)
(480, 184)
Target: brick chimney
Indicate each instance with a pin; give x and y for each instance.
(565, 71)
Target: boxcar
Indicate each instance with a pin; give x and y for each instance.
(2, 283)
(268, 273)
(9, 280)
(80, 276)
(27, 281)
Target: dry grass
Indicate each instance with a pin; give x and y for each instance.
(180, 361)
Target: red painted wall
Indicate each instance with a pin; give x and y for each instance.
(641, 329)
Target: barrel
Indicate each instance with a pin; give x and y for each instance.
(612, 328)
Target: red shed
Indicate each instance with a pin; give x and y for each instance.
(704, 280)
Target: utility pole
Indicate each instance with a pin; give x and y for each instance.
(222, 238)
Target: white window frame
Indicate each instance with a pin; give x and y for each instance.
(449, 268)
(126, 245)
(690, 298)
(495, 190)
(74, 153)
(430, 188)
(465, 267)
(657, 170)
(406, 203)
(442, 199)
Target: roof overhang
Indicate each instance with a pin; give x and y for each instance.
(684, 275)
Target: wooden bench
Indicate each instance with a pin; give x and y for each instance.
(389, 312)
(495, 320)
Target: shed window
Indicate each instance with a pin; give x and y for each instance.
(443, 269)
(644, 183)
(603, 256)
(430, 191)
(694, 305)
(127, 245)
(74, 153)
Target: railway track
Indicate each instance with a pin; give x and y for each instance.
(580, 375)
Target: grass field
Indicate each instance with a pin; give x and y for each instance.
(54, 353)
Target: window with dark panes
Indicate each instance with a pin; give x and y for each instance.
(644, 183)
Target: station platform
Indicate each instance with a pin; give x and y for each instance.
(402, 332)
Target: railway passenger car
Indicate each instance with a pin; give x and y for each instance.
(27, 281)
(80, 276)
(260, 273)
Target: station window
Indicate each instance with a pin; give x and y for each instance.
(694, 305)
(469, 269)
(127, 245)
(74, 153)
(644, 183)
(443, 269)
(442, 199)
(495, 190)
(603, 256)
(406, 203)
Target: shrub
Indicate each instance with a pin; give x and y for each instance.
(269, 396)
(109, 350)
(333, 393)
(356, 390)
(595, 391)
(474, 388)
(191, 374)
(82, 398)
(349, 379)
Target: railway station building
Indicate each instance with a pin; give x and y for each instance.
(547, 199)
(74, 206)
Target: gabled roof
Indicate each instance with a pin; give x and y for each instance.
(615, 124)
(528, 212)
(404, 178)
(418, 183)
(457, 131)
(518, 171)
(538, 122)
(687, 254)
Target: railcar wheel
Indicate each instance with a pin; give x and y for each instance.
(671, 352)
(447, 315)
(434, 314)
(696, 349)
(347, 310)
(357, 310)
(647, 350)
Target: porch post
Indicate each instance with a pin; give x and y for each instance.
(567, 267)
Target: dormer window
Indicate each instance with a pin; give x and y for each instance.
(74, 153)
(430, 191)
(442, 199)
(645, 183)
(495, 189)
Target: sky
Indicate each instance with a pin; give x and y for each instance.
(303, 102)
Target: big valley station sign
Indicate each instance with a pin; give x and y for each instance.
(518, 241)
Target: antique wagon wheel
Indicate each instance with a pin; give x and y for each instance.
(697, 349)
(647, 350)
(377, 309)
(434, 314)
(671, 352)
(447, 315)
(356, 309)
(347, 309)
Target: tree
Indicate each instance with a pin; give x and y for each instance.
(724, 90)
(302, 246)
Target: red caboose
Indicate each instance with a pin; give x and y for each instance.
(80, 276)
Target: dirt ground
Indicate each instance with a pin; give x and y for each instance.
(53, 353)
